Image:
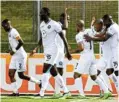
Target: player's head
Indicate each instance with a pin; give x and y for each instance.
(107, 20)
(80, 26)
(98, 25)
(44, 13)
(6, 25)
(62, 17)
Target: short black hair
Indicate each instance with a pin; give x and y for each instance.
(99, 21)
(47, 10)
(107, 16)
(62, 15)
(5, 21)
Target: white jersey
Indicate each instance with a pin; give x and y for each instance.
(59, 41)
(109, 47)
(88, 46)
(12, 34)
(49, 32)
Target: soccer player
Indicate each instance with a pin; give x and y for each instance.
(97, 27)
(64, 19)
(49, 30)
(110, 38)
(19, 57)
(86, 62)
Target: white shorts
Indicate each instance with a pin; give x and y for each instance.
(51, 58)
(60, 60)
(18, 63)
(86, 65)
(104, 63)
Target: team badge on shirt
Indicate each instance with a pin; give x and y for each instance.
(61, 63)
(49, 26)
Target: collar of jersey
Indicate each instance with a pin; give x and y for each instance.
(48, 21)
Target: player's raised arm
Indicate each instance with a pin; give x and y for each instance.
(93, 21)
(65, 19)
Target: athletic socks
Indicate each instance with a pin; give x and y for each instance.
(14, 87)
(102, 85)
(57, 88)
(45, 81)
(79, 86)
(114, 79)
(101, 77)
(32, 79)
(61, 83)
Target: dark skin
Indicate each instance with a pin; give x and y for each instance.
(102, 37)
(45, 17)
(12, 72)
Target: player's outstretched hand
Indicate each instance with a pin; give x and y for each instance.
(87, 38)
(65, 10)
(34, 51)
(68, 55)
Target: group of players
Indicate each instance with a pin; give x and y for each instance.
(55, 45)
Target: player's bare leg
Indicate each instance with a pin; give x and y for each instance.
(13, 82)
(107, 93)
(28, 78)
(79, 85)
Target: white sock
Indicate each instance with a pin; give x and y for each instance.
(101, 77)
(114, 79)
(79, 86)
(57, 88)
(45, 80)
(102, 85)
(14, 87)
(61, 83)
(32, 79)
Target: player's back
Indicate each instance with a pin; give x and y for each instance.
(12, 34)
(49, 31)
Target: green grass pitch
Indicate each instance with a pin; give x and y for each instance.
(48, 99)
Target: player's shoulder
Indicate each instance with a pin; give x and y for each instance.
(55, 23)
(89, 31)
(59, 23)
(113, 26)
(79, 35)
(13, 30)
(42, 23)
